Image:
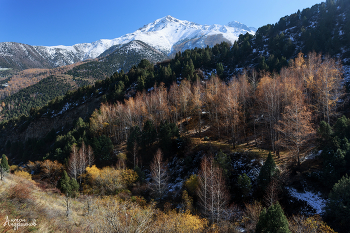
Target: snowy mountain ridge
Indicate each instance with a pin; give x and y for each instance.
(162, 34)
(167, 34)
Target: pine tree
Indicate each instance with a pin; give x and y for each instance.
(219, 69)
(74, 186)
(267, 172)
(262, 223)
(64, 183)
(273, 220)
(337, 207)
(68, 186)
(324, 135)
(4, 163)
(245, 185)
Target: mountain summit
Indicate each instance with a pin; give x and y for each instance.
(168, 35)
(171, 35)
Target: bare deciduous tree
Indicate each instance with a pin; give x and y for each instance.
(295, 126)
(90, 156)
(251, 215)
(270, 99)
(82, 160)
(272, 192)
(159, 175)
(212, 191)
(73, 162)
(197, 102)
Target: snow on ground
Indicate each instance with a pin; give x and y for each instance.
(313, 199)
(311, 156)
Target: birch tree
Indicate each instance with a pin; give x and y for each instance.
(73, 162)
(159, 183)
(82, 161)
(212, 191)
(197, 102)
(269, 93)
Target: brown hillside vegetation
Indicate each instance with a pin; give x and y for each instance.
(30, 77)
(46, 210)
(37, 207)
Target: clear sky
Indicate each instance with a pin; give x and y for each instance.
(68, 22)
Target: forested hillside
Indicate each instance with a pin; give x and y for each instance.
(207, 131)
(249, 137)
(323, 28)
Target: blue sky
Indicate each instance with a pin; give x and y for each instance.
(63, 22)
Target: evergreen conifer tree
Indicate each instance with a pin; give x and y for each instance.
(64, 183)
(273, 220)
(267, 172)
(68, 186)
(219, 69)
(74, 187)
(4, 163)
(338, 204)
(245, 185)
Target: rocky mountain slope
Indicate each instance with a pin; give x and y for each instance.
(167, 35)
(118, 58)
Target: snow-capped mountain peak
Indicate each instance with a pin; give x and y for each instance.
(238, 25)
(168, 35)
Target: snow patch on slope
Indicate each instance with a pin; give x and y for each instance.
(313, 199)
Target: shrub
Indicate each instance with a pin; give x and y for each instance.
(191, 184)
(19, 193)
(13, 168)
(23, 174)
(108, 180)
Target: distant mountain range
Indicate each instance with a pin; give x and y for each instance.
(167, 35)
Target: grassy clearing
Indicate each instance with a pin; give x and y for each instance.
(22, 199)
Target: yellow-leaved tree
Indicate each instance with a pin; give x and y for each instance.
(107, 180)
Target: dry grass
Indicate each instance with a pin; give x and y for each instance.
(23, 199)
